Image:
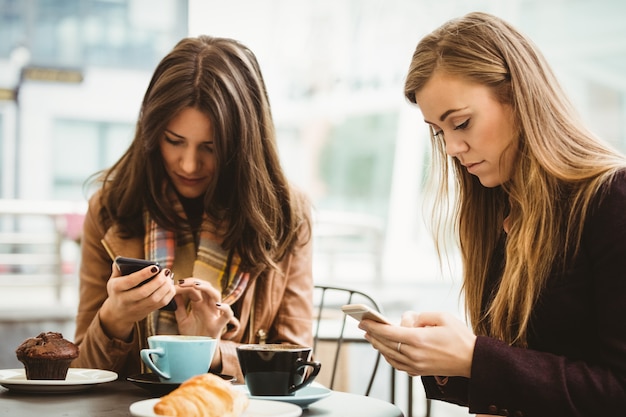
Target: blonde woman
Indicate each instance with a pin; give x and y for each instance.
(540, 214)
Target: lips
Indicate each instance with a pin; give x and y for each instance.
(189, 181)
(471, 166)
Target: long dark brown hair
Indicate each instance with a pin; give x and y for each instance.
(249, 193)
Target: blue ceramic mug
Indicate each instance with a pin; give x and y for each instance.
(176, 358)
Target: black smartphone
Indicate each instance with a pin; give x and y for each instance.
(129, 265)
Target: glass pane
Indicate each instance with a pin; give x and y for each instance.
(355, 164)
(117, 138)
(98, 144)
(2, 153)
(11, 25)
(82, 33)
(73, 138)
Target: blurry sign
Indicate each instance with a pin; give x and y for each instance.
(6, 94)
(52, 74)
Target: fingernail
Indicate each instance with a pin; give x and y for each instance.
(154, 269)
(181, 281)
(198, 283)
(167, 272)
(218, 304)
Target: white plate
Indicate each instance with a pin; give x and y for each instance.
(77, 379)
(256, 408)
(303, 397)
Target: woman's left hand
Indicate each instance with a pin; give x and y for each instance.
(424, 344)
(205, 315)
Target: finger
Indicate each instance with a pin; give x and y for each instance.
(180, 313)
(426, 319)
(155, 294)
(154, 286)
(226, 313)
(393, 343)
(192, 293)
(384, 345)
(409, 319)
(145, 276)
(180, 303)
(232, 328)
(209, 291)
(115, 272)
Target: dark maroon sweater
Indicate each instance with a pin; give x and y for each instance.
(575, 364)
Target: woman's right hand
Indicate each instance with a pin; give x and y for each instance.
(128, 303)
(424, 344)
(206, 315)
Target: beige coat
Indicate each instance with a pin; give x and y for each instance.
(275, 305)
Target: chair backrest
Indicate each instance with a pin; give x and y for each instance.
(332, 327)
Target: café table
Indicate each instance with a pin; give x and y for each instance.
(113, 399)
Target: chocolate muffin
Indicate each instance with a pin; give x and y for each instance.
(47, 356)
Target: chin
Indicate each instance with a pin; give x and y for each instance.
(187, 193)
(489, 182)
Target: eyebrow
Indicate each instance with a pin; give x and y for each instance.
(182, 137)
(446, 114)
(174, 134)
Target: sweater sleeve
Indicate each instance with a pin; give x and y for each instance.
(575, 364)
(96, 349)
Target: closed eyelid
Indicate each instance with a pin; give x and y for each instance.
(173, 137)
(462, 125)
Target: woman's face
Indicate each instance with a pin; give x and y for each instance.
(187, 150)
(476, 128)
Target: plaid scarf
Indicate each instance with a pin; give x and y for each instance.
(208, 261)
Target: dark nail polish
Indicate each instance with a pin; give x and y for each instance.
(167, 272)
(218, 304)
(154, 269)
(181, 281)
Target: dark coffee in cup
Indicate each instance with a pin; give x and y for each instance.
(276, 369)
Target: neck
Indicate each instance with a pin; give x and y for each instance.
(194, 209)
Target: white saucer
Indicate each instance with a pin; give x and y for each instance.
(256, 408)
(77, 379)
(303, 397)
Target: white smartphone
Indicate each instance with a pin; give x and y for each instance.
(362, 311)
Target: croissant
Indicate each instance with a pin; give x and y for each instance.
(205, 395)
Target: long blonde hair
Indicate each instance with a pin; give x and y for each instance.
(559, 169)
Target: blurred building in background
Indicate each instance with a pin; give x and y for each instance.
(73, 73)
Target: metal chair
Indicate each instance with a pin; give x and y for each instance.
(332, 325)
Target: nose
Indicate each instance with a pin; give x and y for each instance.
(455, 145)
(190, 161)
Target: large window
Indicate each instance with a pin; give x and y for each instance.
(2, 145)
(80, 149)
(81, 33)
(335, 73)
(355, 164)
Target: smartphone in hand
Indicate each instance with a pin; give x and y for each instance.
(362, 311)
(127, 266)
